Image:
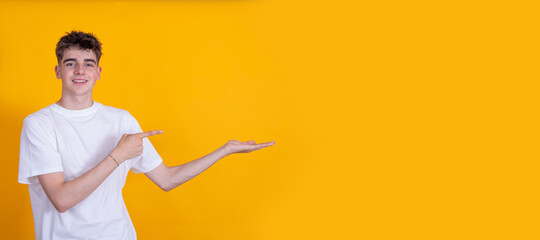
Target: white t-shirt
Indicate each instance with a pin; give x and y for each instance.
(56, 139)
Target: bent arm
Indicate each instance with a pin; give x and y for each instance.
(168, 178)
(64, 195)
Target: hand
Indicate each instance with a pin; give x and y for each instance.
(234, 146)
(131, 145)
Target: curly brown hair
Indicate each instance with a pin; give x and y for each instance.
(82, 40)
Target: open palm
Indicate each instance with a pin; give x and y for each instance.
(235, 146)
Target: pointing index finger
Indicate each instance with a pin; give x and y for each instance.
(150, 133)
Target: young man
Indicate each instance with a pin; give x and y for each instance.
(76, 153)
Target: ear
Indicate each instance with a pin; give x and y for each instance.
(99, 73)
(57, 72)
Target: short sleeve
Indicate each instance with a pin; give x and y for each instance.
(38, 150)
(150, 159)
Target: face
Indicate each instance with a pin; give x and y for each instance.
(79, 72)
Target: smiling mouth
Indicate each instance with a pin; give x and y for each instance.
(79, 81)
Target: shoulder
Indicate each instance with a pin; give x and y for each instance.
(39, 124)
(43, 118)
(114, 110)
(117, 112)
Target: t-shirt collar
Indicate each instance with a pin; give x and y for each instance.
(76, 113)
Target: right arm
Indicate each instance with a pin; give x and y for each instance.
(64, 195)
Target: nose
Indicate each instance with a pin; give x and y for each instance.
(79, 69)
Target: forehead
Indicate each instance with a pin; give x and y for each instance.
(79, 53)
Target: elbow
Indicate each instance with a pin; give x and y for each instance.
(164, 187)
(168, 178)
(62, 210)
(169, 186)
(61, 206)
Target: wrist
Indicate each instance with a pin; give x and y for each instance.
(116, 156)
(114, 159)
(223, 151)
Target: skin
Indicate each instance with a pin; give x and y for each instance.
(77, 64)
(82, 64)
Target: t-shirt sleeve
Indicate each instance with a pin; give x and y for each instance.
(149, 159)
(38, 150)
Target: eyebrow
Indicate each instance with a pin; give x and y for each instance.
(86, 60)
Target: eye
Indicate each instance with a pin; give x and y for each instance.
(89, 65)
(69, 64)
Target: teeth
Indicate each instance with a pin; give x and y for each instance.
(79, 81)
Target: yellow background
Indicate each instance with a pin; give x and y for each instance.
(392, 119)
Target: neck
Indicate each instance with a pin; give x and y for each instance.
(75, 102)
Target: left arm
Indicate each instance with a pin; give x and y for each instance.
(168, 178)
